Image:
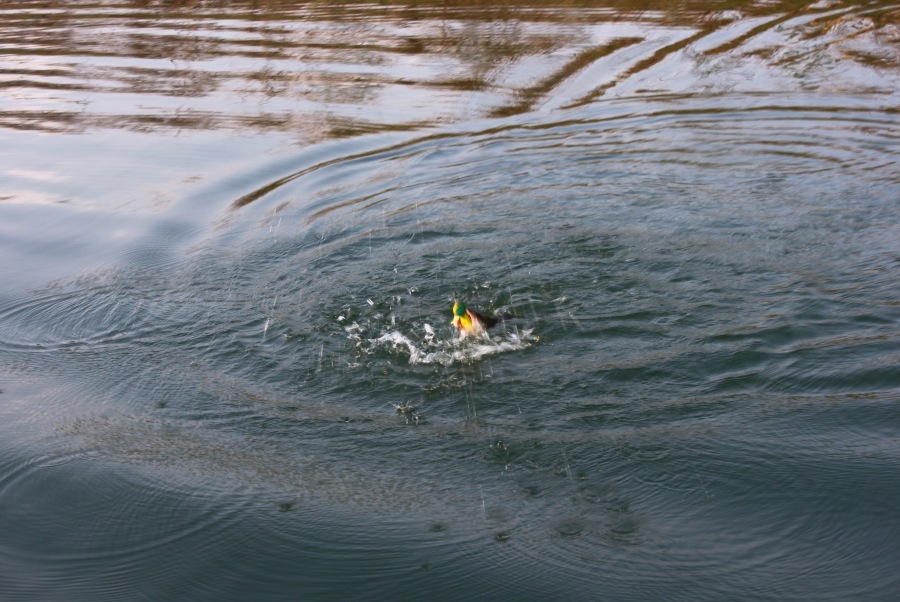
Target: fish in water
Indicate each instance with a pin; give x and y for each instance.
(471, 322)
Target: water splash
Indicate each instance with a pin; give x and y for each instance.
(427, 348)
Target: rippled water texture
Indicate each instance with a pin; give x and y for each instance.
(231, 234)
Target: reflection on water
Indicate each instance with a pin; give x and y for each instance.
(324, 69)
(227, 370)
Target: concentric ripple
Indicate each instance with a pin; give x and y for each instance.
(691, 396)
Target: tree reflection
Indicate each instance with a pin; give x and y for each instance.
(330, 69)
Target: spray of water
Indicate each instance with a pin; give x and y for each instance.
(426, 347)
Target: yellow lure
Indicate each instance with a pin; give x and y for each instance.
(468, 321)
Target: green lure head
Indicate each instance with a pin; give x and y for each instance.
(459, 308)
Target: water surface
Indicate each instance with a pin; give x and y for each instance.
(231, 234)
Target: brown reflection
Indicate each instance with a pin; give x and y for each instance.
(526, 97)
(643, 65)
(324, 69)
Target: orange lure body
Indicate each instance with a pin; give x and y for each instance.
(470, 322)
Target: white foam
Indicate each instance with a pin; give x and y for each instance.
(431, 350)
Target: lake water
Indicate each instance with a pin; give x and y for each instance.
(231, 234)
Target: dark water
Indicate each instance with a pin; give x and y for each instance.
(230, 237)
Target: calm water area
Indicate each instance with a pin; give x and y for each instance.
(231, 233)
